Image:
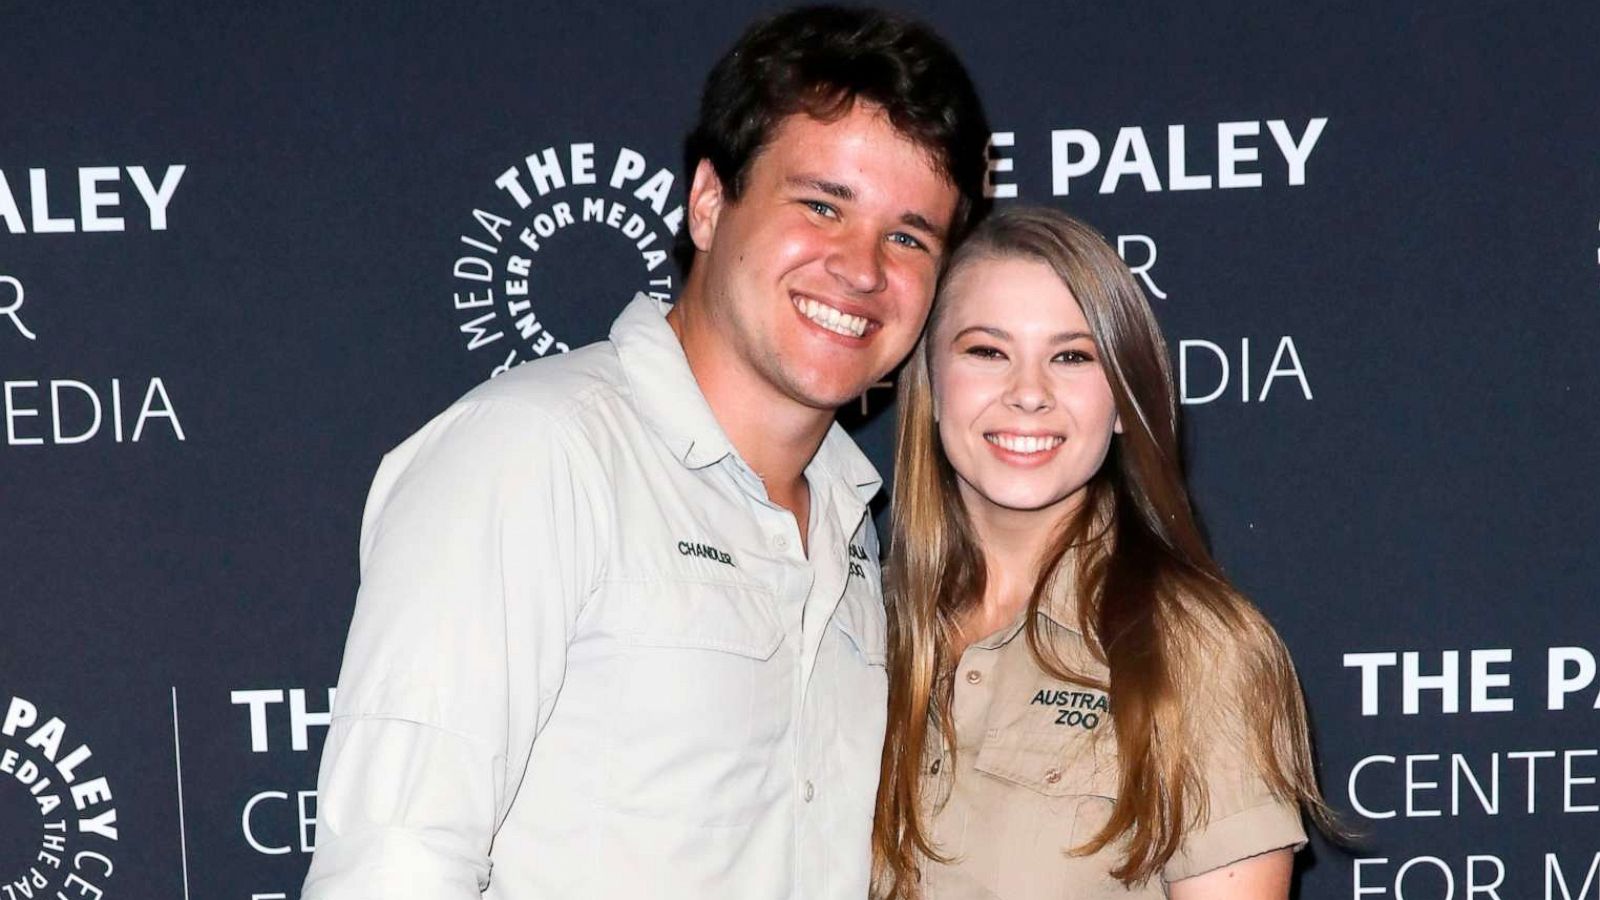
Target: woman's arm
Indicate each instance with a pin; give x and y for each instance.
(1264, 877)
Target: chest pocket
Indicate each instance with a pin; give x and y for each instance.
(1049, 764)
(705, 615)
(1066, 783)
(702, 681)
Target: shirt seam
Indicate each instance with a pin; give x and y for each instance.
(564, 411)
(564, 427)
(476, 740)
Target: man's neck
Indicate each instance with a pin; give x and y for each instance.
(775, 435)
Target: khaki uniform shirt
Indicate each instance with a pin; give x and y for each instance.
(591, 657)
(1034, 774)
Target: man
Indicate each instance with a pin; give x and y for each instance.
(620, 632)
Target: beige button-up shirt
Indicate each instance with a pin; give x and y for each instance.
(1034, 774)
(591, 658)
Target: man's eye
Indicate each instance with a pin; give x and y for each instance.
(906, 240)
(822, 209)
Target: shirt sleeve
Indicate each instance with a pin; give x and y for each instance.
(1265, 824)
(1244, 818)
(478, 550)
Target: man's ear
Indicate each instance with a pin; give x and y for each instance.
(705, 205)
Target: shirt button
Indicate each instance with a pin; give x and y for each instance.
(1052, 776)
(810, 792)
(780, 542)
(974, 676)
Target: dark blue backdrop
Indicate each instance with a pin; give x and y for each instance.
(1384, 222)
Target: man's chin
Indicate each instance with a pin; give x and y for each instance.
(835, 398)
(825, 382)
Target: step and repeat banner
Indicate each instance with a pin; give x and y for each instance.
(246, 249)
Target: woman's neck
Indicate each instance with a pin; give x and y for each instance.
(1014, 545)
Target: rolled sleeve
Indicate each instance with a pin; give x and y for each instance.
(1268, 826)
(478, 550)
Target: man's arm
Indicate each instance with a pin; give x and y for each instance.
(478, 547)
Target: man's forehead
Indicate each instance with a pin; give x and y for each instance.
(807, 152)
(803, 126)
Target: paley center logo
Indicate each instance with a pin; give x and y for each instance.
(77, 411)
(39, 410)
(58, 819)
(569, 235)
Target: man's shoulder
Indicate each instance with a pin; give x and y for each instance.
(557, 388)
(524, 414)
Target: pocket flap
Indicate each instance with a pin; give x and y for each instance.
(1055, 765)
(703, 616)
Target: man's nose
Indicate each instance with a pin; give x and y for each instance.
(856, 259)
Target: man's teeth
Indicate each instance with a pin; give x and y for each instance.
(1024, 444)
(831, 319)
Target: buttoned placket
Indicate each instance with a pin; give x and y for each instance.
(829, 532)
(972, 690)
(793, 577)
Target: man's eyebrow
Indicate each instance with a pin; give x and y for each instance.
(920, 222)
(831, 188)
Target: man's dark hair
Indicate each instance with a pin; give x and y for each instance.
(819, 60)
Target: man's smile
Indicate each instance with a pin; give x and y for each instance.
(832, 318)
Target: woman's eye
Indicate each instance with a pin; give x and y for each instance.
(1075, 356)
(983, 352)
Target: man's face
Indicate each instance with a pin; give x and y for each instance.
(820, 275)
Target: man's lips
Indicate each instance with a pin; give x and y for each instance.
(830, 317)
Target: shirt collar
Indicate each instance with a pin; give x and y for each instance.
(1060, 602)
(843, 462)
(664, 389)
(670, 401)
(1059, 606)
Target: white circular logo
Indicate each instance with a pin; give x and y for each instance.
(59, 819)
(572, 234)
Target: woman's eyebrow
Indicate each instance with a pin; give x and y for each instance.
(990, 330)
(1003, 335)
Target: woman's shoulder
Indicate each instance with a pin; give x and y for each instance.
(1229, 656)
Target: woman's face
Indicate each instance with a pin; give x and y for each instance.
(1025, 412)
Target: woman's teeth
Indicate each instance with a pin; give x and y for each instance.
(1024, 444)
(830, 318)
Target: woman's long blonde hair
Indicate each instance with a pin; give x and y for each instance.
(1153, 604)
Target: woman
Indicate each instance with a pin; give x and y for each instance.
(1081, 706)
